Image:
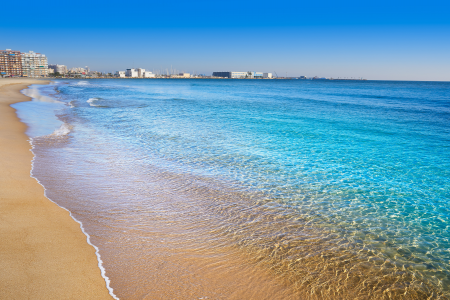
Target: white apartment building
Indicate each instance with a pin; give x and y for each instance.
(61, 69)
(141, 72)
(148, 74)
(145, 74)
(133, 73)
(120, 74)
(34, 64)
(78, 70)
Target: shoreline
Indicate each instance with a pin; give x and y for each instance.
(160, 262)
(43, 254)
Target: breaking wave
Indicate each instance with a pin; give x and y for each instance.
(92, 100)
(33, 92)
(63, 130)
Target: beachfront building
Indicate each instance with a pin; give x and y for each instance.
(240, 75)
(257, 75)
(78, 70)
(61, 69)
(10, 63)
(148, 74)
(133, 73)
(141, 72)
(185, 75)
(145, 74)
(34, 64)
(52, 67)
(267, 75)
(120, 74)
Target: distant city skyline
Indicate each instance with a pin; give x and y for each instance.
(405, 40)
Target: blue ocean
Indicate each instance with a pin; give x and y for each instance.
(253, 189)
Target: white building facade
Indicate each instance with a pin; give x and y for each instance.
(148, 74)
(241, 75)
(133, 73)
(120, 74)
(34, 65)
(141, 72)
(78, 70)
(61, 69)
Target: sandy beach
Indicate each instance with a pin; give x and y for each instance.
(43, 251)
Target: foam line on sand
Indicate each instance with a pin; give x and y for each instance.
(43, 252)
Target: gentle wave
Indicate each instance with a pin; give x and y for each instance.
(63, 130)
(82, 83)
(33, 92)
(92, 100)
(336, 198)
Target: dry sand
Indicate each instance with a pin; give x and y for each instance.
(43, 252)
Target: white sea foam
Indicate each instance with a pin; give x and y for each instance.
(92, 100)
(82, 83)
(63, 130)
(33, 92)
(88, 237)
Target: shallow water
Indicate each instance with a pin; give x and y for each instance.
(256, 189)
(39, 114)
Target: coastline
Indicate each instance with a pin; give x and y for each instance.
(157, 225)
(43, 254)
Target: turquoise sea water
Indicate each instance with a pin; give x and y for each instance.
(339, 187)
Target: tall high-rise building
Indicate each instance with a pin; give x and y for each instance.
(10, 63)
(34, 64)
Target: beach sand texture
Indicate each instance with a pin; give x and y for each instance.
(43, 252)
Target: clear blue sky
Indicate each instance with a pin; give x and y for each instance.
(395, 40)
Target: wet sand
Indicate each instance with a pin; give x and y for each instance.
(43, 252)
